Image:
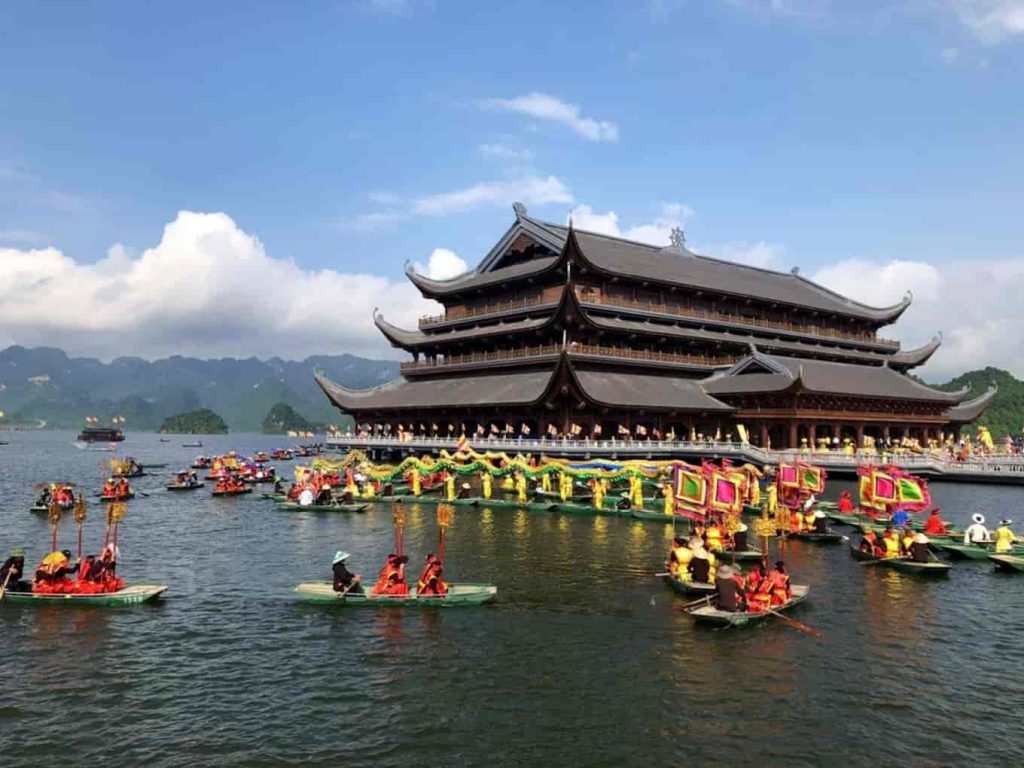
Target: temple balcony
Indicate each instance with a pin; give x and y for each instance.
(537, 353)
(726, 318)
(482, 312)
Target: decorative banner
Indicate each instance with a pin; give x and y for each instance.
(789, 476)
(726, 495)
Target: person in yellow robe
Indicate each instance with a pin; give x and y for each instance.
(1004, 537)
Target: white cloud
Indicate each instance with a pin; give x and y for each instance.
(541, 106)
(500, 151)
(760, 254)
(532, 190)
(658, 232)
(207, 288)
(991, 21)
(443, 264)
(976, 305)
(950, 54)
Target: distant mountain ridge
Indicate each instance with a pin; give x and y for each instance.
(45, 384)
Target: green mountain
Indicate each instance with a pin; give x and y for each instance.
(1005, 415)
(45, 384)
(283, 418)
(199, 422)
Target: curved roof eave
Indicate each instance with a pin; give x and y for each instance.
(972, 409)
(911, 358)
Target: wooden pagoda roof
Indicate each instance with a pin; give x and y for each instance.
(673, 265)
(759, 373)
(969, 410)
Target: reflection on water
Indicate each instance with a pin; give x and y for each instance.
(586, 658)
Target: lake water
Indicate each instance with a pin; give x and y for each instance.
(585, 659)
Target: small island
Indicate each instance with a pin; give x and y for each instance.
(282, 418)
(199, 422)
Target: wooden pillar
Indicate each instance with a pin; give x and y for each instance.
(794, 441)
(860, 436)
(812, 435)
(764, 434)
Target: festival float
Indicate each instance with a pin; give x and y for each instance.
(61, 494)
(95, 582)
(453, 595)
(798, 486)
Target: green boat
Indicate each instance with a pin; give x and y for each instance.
(689, 588)
(655, 517)
(234, 492)
(458, 595)
(472, 501)
(831, 537)
(858, 554)
(1008, 562)
(572, 508)
(112, 499)
(294, 506)
(965, 551)
(185, 487)
(906, 565)
(740, 556)
(709, 614)
(134, 595)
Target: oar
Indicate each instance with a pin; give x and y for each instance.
(796, 624)
(3, 589)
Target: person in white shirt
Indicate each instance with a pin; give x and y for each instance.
(976, 532)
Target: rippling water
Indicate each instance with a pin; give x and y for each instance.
(585, 660)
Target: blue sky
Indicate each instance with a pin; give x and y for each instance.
(351, 136)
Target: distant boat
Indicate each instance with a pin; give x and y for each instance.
(192, 445)
(164, 440)
(101, 435)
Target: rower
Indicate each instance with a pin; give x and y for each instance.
(919, 551)
(678, 558)
(890, 543)
(729, 590)
(739, 538)
(869, 543)
(12, 570)
(976, 532)
(701, 565)
(109, 488)
(845, 503)
(52, 573)
(306, 498)
(713, 536)
(345, 581)
(781, 590)
(431, 581)
(1004, 537)
(935, 525)
(464, 491)
(820, 524)
(900, 518)
(324, 497)
(810, 519)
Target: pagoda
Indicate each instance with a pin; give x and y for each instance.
(560, 332)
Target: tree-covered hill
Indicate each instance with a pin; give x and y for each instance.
(1005, 415)
(199, 422)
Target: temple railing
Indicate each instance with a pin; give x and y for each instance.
(726, 317)
(624, 353)
(465, 313)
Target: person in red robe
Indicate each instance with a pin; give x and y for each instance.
(935, 525)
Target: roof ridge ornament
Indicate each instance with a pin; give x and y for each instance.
(677, 239)
(519, 209)
(795, 271)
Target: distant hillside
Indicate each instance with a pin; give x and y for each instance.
(46, 384)
(1005, 416)
(199, 422)
(283, 418)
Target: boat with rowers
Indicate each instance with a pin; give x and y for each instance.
(708, 613)
(933, 567)
(133, 595)
(294, 506)
(962, 551)
(457, 595)
(185, 481)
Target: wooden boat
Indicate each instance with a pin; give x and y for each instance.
(845, 518)
(232, 492)
(191, 445)
(655, 517)
(173, 487)
(133, 595)
(111, 499)
(541, 506)
(1008, 562)
(572, 508)
(906, 565)
(294, 506)
(709, 614)
(689, 588)
(858, 554)
(818, 538)
(727, 555)
(458, 595)
(470, 501)
(965, 551)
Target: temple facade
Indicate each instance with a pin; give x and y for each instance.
(561, 332)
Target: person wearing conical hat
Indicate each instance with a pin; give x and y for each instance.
(1005, 537)
(820, 524)
(464, 491)
(976, 532)
(729, 590)
(739, 537)
(701, 566)
(919, 551)
(345, 581)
